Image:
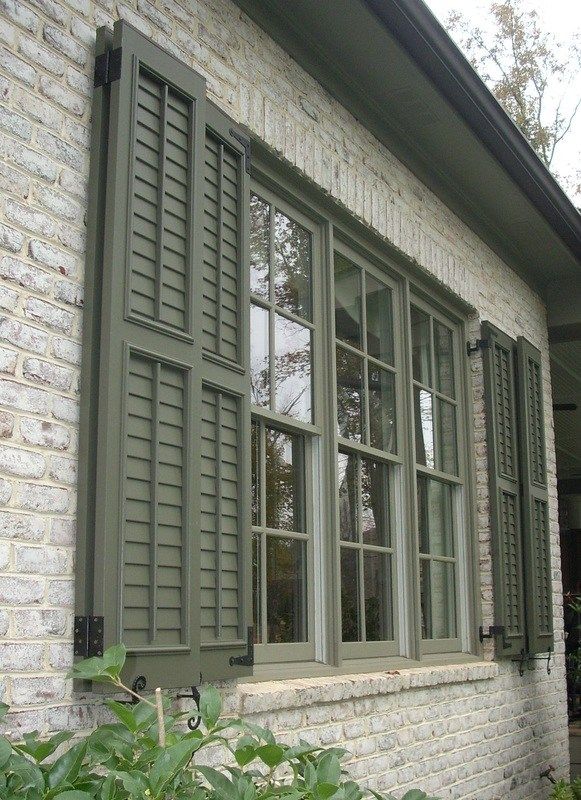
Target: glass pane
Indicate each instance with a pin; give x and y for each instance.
(421, 346)
(255, 470)
(286, 602)
(292, 262)
(424, 427)
(382, 429)
(284, 490)
(435, 518)
(259, 357)
(348, 479)
(292, 369)
(377, 585)
(347, 301)
(375, 503)
(446, 445)
(256, 601)
(438, 600)
(444, 355)
(379, 320)
(350, 617)
(259, 246)
(349, 395)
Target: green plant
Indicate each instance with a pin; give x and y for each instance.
(148, 754)
(566, 791)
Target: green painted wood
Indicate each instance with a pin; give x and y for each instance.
(504, 487)
(144, 446)
(535, 499)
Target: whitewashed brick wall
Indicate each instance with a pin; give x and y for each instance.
(467, 732)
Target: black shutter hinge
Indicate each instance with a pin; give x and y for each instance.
(107, 67)
(493, 630)
(88, 636)
(481, 344)
(245, 142)
(248, 659)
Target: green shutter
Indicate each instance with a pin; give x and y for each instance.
(225, 599)
(504, 490)
(536, 530)
(142, 542)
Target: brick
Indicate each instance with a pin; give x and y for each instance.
(29, 160)
(60, 656)
(50, 315)
(40, 560)
(24, 463)
(68, 100)
(74, 183)
(8, 359)
(53, 257)
(8, 298)
(40, 112)
(44, 434)
(61, 593)
(77, 133)
(16, 67)
(70, 293)
(42, 56)
(65, 44)
(5, 553)
(67, 350)
(14, 182)
(36, 497)
(24, 274)
(4, 623)
(53, 10)
(6, 424)
(65, 409)
(22, 335)
(20, 657)
(61, 151)
(32, 623)
(23, 527)
(28, 218)
(25, 398)
(5, 491)
(58, 204)
(47, 373)
(11, 239)
(33, 691)
(79, 82)
(15, 11)
(13, 123)
(85, 33)
(161, 21)
(63, 531)
(63, 470)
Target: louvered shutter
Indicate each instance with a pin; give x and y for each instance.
(141, 540)
(504, 490)
(536, 532)
(225, 598)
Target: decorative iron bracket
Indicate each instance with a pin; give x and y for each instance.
(481, 344)
(546, 658)
(245, 142)
(88, 636)
(107, 67)
(521, 660)
(548, 774)
(248, 659)
(195, 720)
(138, 686)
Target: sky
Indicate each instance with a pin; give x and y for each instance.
(559, 17)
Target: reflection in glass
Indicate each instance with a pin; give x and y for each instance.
(259, 246)
(375, 503)
(377, 585)
(438, 600)
(444, 356)
(420, 346)
(379, 320)
(292, 369)
(255, 471)
(446, 444)
(347, 301)
(435, 517)
(259, 357)
(349, 394)
(286, 615)
(347, 469)
(350, 623)
(292, 262)
(424, 427)
(256, 600)
(382, 429)
(284, 490)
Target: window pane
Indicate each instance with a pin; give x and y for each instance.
(292, 369)
(375, 503)
(286, 612)
(255, 472)
(435, 518)
(444, 355)
(292, 261)
(377, 585)
(379, 320)
(350, 618)
(438, 600)
(347, 301)
(256, 599)
(446, 445)
(421, 346)
(424, 427)
(382, 429)
(349, 394)
(259, 246)
(284, 490)
(348, 480)
(259, 357)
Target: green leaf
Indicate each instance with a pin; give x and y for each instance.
(134, 782)
(40, 750)
(224, 788)
(415, 794)
(329, 769)
(123, 713)
(352, 791)
(326, 790)
(66, 768)
(271, 754)
(5, 751)
(210, 706)
(73, 794)
(170, 761)
(3, 709)
(244, 755)
(105, 668)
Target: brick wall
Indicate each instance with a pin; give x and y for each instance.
(478, 731)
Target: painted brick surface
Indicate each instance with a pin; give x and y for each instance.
(466, 732)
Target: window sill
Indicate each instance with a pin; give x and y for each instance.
(275, 695)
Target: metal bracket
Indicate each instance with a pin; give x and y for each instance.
(493, 630)
(245, 142)
(248, 659)
(481, 344)
(195, 719)
(88, 636)
(107, 67)
(548, 773)
(521, 660)
(546, 658)
(138, 685)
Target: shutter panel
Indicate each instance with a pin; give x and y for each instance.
(226, 611)
(504, 490)
(145, 538)
(535, 513)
